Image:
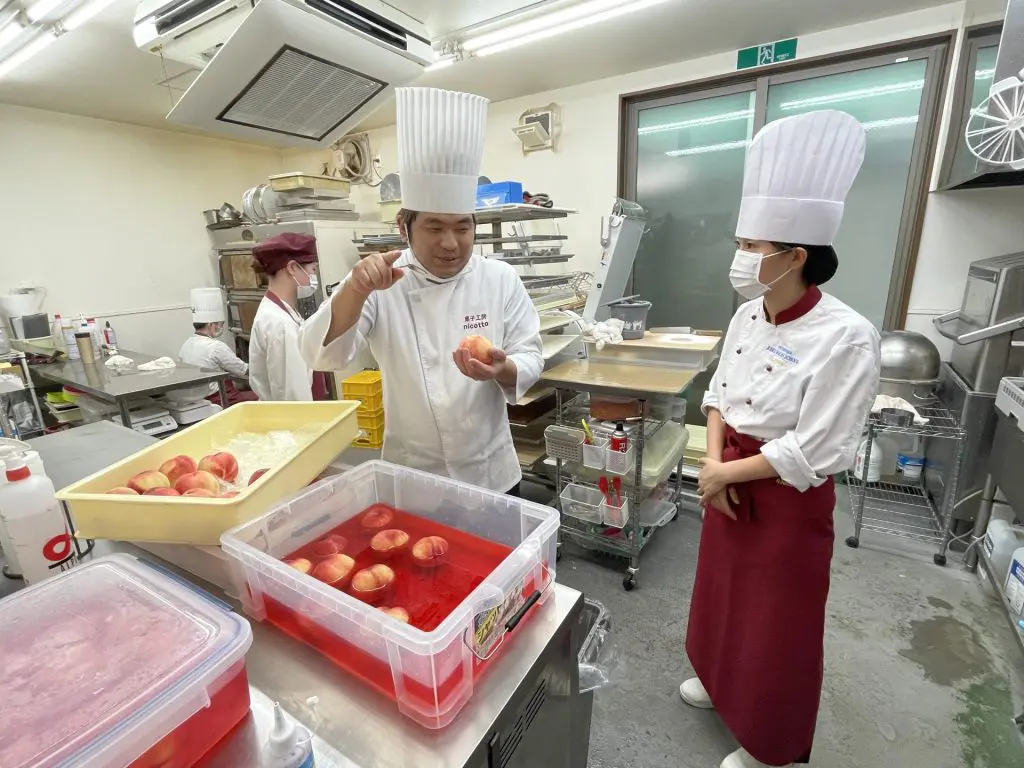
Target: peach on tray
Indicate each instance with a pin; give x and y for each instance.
(377, 518)
(300, 564)
(200, 493)
(329, 545)
(373, 583)
(229, 494)
(257, 475)
(398, 614)
(334, 570)
(178, 466)
(201, 479)
(145, 481)
(161, 492)
(389, 543)
(222, 465)
(123, 491)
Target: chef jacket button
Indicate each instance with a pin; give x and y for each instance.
(769, 369)
(739, 351)
(723, 385)
(753, 317)
(750, 402)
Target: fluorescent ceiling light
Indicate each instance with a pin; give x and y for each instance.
(79, 16)
(39, 9)
(856, 95)
(725, 117)
(551, 24)
(27, 51)
(10, 32)
(873, 125)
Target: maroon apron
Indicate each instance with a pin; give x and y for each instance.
(321, 390)
(757, 618)
(234, 395)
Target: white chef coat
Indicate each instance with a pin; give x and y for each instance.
(212, 354)
(437, 419)
(804, 386)
(276, 368)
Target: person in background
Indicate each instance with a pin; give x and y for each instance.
(445, 410)
(204, 348)
(785, 409)
(276, 368)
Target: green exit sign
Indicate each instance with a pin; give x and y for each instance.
(769, 53)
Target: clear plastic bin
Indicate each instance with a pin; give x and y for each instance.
(594, 454)
(582, 502)
(615, 516)
(619, 462)
(118, 663)
(430, 675)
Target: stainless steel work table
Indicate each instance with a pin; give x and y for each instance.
(529, 688)
(111, 386)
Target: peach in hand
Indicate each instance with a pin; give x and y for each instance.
(123, 491)
(334, 570)
(223, 465)
(178, 466)
(479, 348)
(200, 479)
(161, 492)
(371, 584)
(430, 552)
(398, 614)
(201, 493)
(377, 518)
(389, 543)
(329, 545)
(148, 480)
(300, 564)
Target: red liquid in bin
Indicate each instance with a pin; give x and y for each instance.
(191, 741)
(428, 594)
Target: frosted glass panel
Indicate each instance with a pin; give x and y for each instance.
(887, 102)
(964, 163)
(689, 178)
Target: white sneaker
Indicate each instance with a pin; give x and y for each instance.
(742, 759)
(694, 694)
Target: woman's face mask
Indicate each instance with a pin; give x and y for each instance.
(306, 304)
(745, 273)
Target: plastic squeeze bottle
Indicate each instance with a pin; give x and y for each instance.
(34, 523)
(289, 746)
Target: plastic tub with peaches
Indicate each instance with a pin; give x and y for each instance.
(118, 663)
(411, 582)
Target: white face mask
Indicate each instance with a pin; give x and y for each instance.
(745, 273)
(307, 291)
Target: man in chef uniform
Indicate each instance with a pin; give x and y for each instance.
(786, 407)
(276, 368)
(445, 411)
(205, 349)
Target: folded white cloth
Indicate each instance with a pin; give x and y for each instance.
(160, 364)
(119, 361)
(887, 401)
(606, 332)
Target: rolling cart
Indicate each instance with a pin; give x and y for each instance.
(902, 508)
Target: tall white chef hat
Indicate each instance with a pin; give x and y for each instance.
(207, 305)
(799, 171)
(440, 148)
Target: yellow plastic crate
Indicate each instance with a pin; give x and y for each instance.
(372, 437)
(368, 388)
(370, 419)
(178, 520)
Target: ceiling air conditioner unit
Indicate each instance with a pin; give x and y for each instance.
(296, 73)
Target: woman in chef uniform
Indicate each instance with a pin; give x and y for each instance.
(276, 368)
(785, 410)
(204, 348)
(446, 412)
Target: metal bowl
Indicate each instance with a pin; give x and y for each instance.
(909, 356)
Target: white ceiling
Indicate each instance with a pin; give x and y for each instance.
(96, 70)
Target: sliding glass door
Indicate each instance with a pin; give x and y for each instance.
(684, 163)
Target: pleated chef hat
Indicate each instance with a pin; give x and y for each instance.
(799, 172)
(440, 148)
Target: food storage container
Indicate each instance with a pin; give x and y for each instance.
(179, 520)
(430, 675)
(117, 663)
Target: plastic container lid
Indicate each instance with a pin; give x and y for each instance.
(104, 661)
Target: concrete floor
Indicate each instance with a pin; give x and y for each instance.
(921, 670)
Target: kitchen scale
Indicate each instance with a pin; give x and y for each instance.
(190, 412)
(150, 421)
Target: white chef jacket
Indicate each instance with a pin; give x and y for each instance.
(804, 386)
(276, 368)
(212, 354)
(437, 419)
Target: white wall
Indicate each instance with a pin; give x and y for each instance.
(582, 174)
(108, 218)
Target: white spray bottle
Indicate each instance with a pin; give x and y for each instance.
(289, 746)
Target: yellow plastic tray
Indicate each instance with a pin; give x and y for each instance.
(174, 520)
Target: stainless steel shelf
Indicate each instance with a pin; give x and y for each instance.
(941, 423)
(492, 240)
(896, 510)
(519, 212)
